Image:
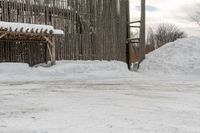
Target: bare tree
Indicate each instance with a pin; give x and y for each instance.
(163, 34)
(150, 37)
(196, 16)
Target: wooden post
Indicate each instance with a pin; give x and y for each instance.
(53, 50)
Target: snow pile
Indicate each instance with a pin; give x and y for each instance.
(64, 70)
(181, 57)
(13, 26)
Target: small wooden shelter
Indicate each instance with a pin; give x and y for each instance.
(21, 32)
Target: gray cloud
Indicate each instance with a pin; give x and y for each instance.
(178, 12)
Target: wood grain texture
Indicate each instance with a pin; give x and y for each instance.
(94, 29)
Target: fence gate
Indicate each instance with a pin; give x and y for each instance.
(94, 29)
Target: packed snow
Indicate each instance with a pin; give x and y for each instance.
(63, 70)
(11, 26)
(102, 96)
(181, 57)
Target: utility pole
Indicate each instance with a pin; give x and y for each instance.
(128, 46)
(142, 31)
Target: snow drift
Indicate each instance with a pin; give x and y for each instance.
(64, 70)
(181, 57)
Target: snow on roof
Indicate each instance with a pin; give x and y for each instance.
(25, 27)
(58, 32)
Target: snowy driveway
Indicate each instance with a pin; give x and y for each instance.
(121, 105)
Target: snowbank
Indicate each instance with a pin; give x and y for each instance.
(181, 57)
(64, 70)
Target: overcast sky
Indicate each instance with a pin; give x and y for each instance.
(177, 12)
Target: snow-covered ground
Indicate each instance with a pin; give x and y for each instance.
(101, 97)
(64, 70)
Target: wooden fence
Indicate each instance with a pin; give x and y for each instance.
(94, 29)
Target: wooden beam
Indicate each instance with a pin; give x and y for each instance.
(135, 42)
(134, 26)
(135, 22)
(52, 49)
(25, 33)
(48, 40)
(3, 35)
(19, 40)
(133, 39)
(53, 62)
(49, 49)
